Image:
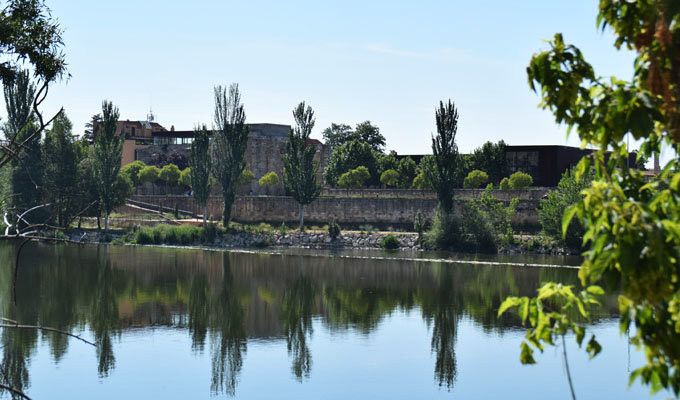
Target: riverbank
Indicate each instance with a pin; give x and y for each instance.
(258, 238)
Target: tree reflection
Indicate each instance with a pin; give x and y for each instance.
(198, 311)
(439, 309)
(297, 306)
(108, 289)
(104, 319)
(229, 335)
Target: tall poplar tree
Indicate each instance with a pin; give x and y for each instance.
(200, 168)
(299, 167)
(228, 148)
(60, 182)
(445, 153)
(26, 166)
(107, 151)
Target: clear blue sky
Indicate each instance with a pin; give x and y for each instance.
(385, 61)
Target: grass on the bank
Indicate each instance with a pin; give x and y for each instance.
(175, 234)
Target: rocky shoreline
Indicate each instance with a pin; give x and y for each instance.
(407, 241)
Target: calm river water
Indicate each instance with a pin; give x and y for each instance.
(180, 324)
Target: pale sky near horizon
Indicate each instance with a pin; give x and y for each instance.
(389, 62)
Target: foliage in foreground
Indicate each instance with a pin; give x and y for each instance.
(632, 233)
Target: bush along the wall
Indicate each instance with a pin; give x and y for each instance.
(390, 242)
(520, 180)
(176, 235)
(483, 226)
(333, 230)
(475, 179)
(504, 184)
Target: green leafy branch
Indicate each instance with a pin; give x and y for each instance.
(556, 311)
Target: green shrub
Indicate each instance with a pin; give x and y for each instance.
(169, 234)
(283, 229)
(355, 178)
(269, 179)
(149, 174)
(246, 176)
(421, 182)
(262, 228)
(551, 209)
(389, 178)
(505, 184)
(185, 177)
(445, 232)
(132, 171)
(420, 222)
(484, 225)
(333, 230)
(143, 236)
(475, 179)
(390, 242)
(169, 174)
(520, 180)
(210, 231)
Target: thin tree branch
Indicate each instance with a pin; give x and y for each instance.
(14, 391)
(16, 270)
(566, 366)
(12, 149)
(48, 329)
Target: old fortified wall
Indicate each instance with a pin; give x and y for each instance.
(374, 207)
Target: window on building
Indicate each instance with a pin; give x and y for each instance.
(525, 161)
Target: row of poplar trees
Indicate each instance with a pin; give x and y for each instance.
(58, 178)
(218, 155)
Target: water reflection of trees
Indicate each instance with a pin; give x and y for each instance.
(228, 334)
(441, 311)
(297, 308)
(226, 299)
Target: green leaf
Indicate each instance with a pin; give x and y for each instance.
(526, 355)
(593, 348)
(566, 219)
(524, 309)
(595, 290)
(675, 182)
(508, 303)
(580, 334)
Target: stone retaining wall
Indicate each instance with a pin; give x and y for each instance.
(377, 211)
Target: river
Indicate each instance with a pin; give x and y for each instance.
(189, 323)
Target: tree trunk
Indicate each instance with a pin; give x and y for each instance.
(302, 217)
(226, 214)
(228, 198)
(106, 223)
(99, 221)
(205, 215)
